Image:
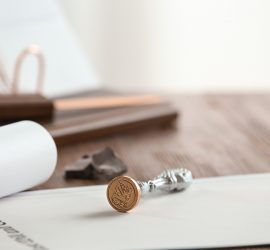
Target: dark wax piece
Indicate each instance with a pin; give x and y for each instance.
(101, 165)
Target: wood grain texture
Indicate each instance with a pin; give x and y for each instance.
(217, 135)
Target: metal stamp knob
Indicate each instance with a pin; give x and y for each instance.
(124, 193)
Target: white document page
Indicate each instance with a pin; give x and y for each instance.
(213, 212)
(25, 22)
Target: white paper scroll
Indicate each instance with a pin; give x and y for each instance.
(28, 156)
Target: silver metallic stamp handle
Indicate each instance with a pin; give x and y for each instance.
(170, 180)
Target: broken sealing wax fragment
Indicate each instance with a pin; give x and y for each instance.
(101, 165)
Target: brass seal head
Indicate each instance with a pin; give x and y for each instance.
(123, 193)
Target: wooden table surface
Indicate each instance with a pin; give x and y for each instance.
(215, 135)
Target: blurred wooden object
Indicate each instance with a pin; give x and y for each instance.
(106, 115)
(217, 135)
(80, 127)
(100, 102)
(76, 119)
(14, 107)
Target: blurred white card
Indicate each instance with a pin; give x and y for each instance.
(25, 22)
(213, 212)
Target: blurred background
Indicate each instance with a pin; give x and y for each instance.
(175, 45)
(138, 45)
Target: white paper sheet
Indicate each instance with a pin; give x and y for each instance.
(25, 22)
(213, 212)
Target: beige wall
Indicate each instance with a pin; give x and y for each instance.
(182, 45)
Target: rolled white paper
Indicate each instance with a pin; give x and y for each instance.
(28, 156)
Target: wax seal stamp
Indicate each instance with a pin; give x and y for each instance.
(124, 193)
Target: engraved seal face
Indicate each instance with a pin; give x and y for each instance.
(123, 193)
